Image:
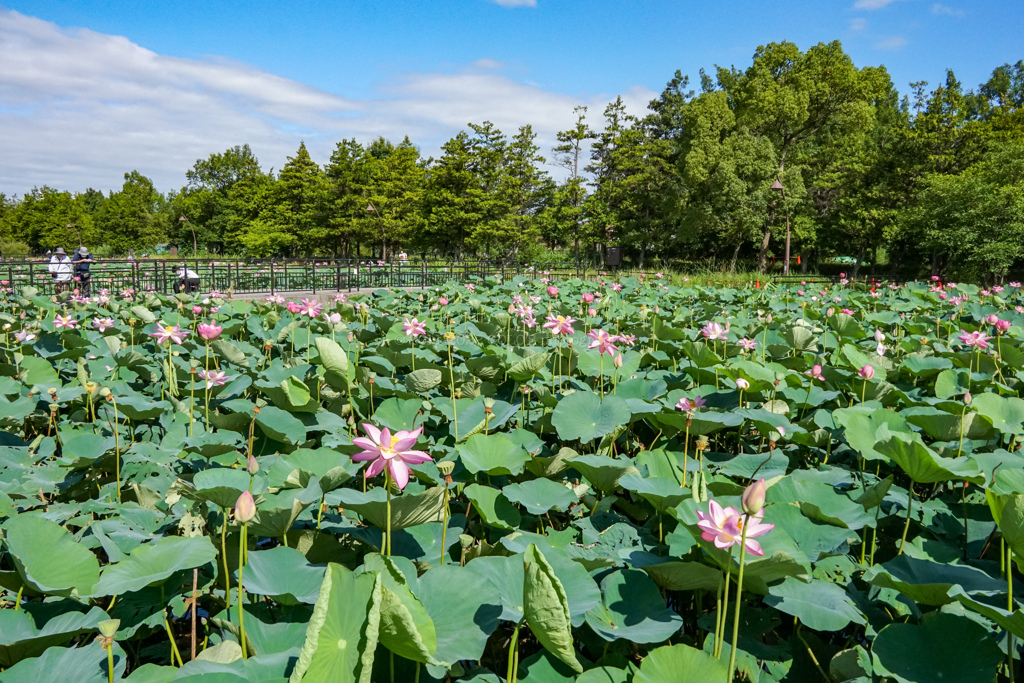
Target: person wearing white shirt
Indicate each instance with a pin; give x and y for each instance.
(188, 280)
(61, 270)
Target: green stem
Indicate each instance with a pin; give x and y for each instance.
(1009, 608)
(725, 607)
(241, 591)
(513, 650)
(224, 555)
(910, 507)
(739, 592)
(444, 525)
(387, 486)
(174, 646)
(110, 662)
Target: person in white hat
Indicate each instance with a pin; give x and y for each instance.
(82, 263)
(61, 269)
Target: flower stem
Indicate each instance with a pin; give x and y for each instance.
(725, 607)
(739, 592)
(224, 555)
(387, 486)
(241, 603)
(910, 507)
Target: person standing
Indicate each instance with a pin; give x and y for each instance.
(61, 269)
(82, 261)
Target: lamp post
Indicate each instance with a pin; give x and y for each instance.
(195, 243)
(72, 226)
(777, 187)
(370, 208)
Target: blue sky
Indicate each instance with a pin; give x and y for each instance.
(93, 89)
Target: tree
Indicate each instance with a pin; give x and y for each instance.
(571, 194)
(46, 218)
(129, 218)
(203, 202)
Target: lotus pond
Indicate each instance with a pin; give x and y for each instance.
(604, 482)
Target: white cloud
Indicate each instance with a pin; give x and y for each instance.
(515, 3)
(81, 108)
(872, 4)
(939, 8)
(858, 24)
(891, 43)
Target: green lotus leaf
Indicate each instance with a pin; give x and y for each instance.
(819, 605)
(540, 495)
(492, 453)
(929, 583)
(546, 608)
(48, 558)
(493, 507)
(679, 664)
(632, 609)
(942, 647)
(152, 563)
(283, 574)
(585, 416)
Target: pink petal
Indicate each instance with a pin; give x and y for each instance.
(723, 542)
(366, 455)
(375, 468)
(754, 548)
(399, 472)
(372, 432)
(717, 513)
(364, 443)
(399, 444)
(415, 457)
(385, 438)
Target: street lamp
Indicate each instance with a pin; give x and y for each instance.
(195, 244)
(777, 187)
(72, 226)
(370, 208)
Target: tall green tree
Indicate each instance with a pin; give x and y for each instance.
(131, 218)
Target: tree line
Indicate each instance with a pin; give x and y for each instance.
(932, 180)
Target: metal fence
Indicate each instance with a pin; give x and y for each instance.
(270, 276)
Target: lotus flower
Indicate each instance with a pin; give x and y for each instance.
(724, 527)
(213, 378)
(210, 331)
(390, 451)
(24, 336)
(1002, 326)
(311, 308)
(165, 334)
(588, 298)
(414, 328)
(603, 342)
(276, 299)
(714, 332)
(748, 344)
(742, 384)
(470, 287)
(293, 307)
(196, 310)
(559, 325)
(616, 287)
(975, 338)
(102, 324)
(992, 319)
(879, 336)
(688, 406)
(65, 322)
(625, 339)
(442, 301)
(866, 372)
(552, 291)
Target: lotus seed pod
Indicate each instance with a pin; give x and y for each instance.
(108, 627)
(446, 467)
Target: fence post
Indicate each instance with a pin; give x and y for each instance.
(314, 277)
(271, 277)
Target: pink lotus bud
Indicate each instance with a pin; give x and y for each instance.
(830, 312)
(443, 301)
(591, 312)
(1002, 325)
(617, 361)
(552, 291)
(866, 372)
(993, 319)
(251, 466)
(209, 332)
(588, 298)
(967, 398)
(753, 497)
(245, 508)
(197, 309)
(742, 384)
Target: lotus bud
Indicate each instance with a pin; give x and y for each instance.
(753, 497)
(879, 336)
(742, 384)
(1002, 325)
(245, 508)
(967, 398)
(588, 298)
(866, 372)
(617, 361)
(552, 291)
(592, 312)
(993, 319)
(251, 466)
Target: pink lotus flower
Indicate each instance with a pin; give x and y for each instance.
(210, 331)
(992, 319)
(935, 278)
(102, 324)
(975, 338)
(748, 344)
(213, 378)
(714, 332)
(275, 299)
(24, 336)
(165, 334)
(552, 291)
(65, 322)
(588, 298)
(617, 361)
(470, 287)
(311, 308)
(332, 318)
(753, 497)
(1015, 284)
(443, 301)
(196, 310)
(414, 328)
(592, 312)
(866, 372)
(742, 384)
(616, 287)
(815, 373)
(530, 321)
(847, 311)
(724, 527)
(389, 451)
(603, 342)
(559, 324)
(688, 406)
(340, 297)
(517, 300)
(625, 339)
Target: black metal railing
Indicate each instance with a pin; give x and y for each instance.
(270, 276)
